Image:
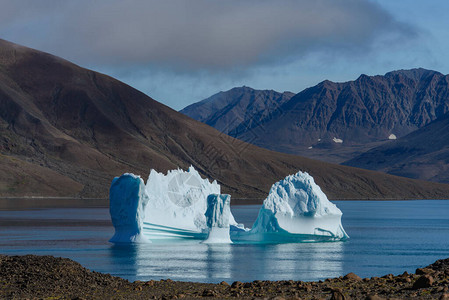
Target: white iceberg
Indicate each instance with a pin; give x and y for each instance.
(173, 206)
(177, 202)
(297, 209)
(128, 200)
(217, 218)
(182, 205)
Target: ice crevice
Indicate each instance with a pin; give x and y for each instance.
(183, 205)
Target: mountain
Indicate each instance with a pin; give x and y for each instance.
(67, 131)
(337, 121)
(225, 111)
(422, 154)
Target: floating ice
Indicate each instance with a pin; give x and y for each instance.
(217, 218)
(392, 137)
(177, 204)
(182, 205)
(296, 208)
(127, 208)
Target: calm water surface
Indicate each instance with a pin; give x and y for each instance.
(385, 237)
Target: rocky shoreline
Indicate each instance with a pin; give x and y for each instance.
(42, 277)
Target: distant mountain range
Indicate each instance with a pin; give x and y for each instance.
(331, 121)
(67, 131)
(227, 111)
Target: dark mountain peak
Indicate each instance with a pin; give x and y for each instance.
(242, 88)
(325, 84)
(364, 77)
(247, 89)
(414, 74)
(237, 107)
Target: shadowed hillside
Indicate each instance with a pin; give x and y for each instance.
(422, 154)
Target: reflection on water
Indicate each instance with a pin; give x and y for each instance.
(194, 261)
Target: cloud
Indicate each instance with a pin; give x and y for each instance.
(197, 34)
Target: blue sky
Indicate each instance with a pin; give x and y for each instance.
(181, 51)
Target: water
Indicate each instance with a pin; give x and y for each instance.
(385, 237)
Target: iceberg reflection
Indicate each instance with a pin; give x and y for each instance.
(193, 261)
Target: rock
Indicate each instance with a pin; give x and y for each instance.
(423, 271)
(444, 297)
(224, 283)
(247, 285)
(374, 297)
(337, 294)
(352, 276)
(236, 284)
(149, 283)
(208, 293)
(307, 288)
(424, 281)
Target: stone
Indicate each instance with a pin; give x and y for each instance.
(337, 294)
(424, 281)
(352, 276)
(208, 293)
(374, 297)
(423, 271)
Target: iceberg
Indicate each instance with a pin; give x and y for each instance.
(128, 200)
(217, 218)
(183, 205)
(173, 205)
(297, 209)
(177, 202)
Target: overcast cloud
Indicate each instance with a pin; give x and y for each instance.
(180, 51)
(196, 34)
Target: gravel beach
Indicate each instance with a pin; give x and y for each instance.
(47, 277)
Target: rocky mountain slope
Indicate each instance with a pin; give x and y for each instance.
(337, 121)
(67, 131)
(228, 110)
(422, 154)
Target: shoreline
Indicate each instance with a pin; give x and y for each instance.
(31, 276)
(38, 202)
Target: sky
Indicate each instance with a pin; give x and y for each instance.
(182, 51)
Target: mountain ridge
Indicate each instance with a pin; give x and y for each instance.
(225, 111)
(362, 114)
